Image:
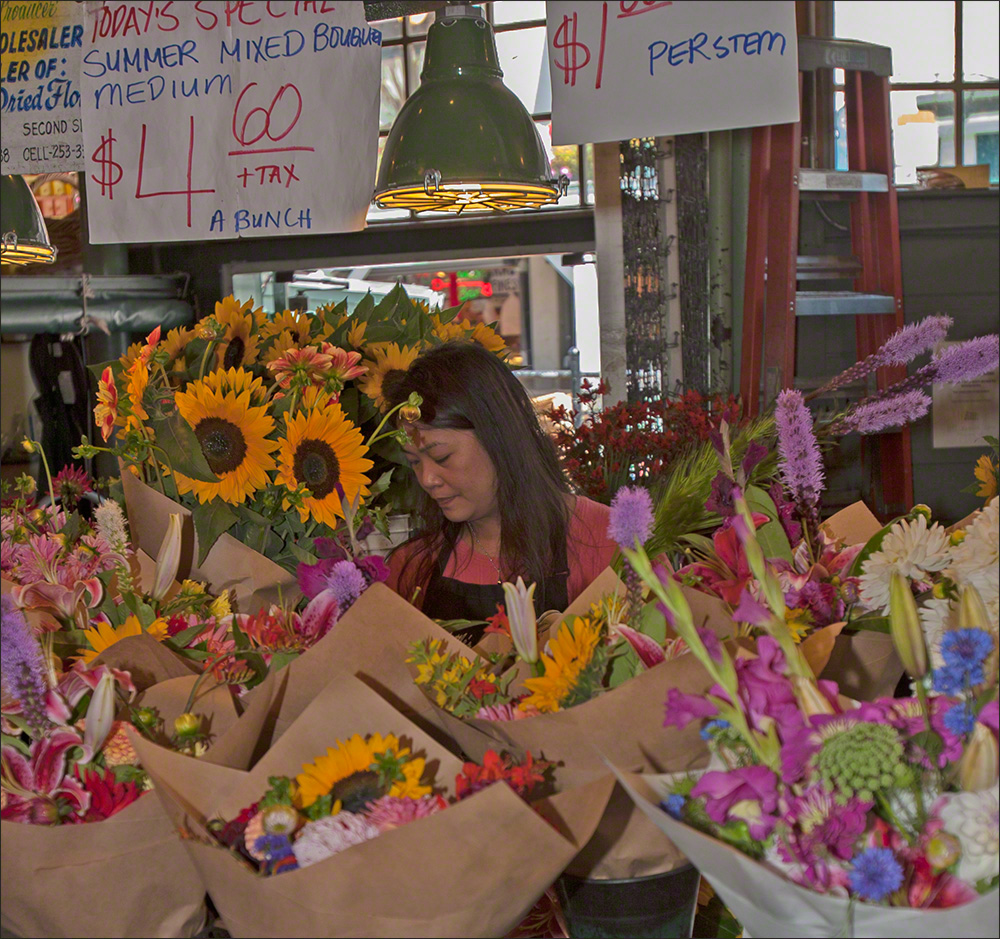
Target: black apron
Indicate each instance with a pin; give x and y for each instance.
(448, 598)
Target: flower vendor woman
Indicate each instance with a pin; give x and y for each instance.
(494, 502)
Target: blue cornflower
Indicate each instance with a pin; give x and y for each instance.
(673, 805)
(966, 648)
(274, 847)
(876, 874)
(708, 731)
(954, 679)
(960, 720)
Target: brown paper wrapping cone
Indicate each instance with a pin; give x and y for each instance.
(128, 875)
(472, 870)
(146, 660)
(255, 580)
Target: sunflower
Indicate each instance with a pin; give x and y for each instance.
(138, 381)
(356, 772)
(131, 354)
(573, 652)
(389, 358)
(233, 438)
(986, 473)
(236, 381)
(102, 635)
(238, 345)
(448, 332)
(322, 448)
(175, 344)
(356, 334)
(489, 339)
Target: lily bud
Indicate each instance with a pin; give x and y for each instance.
(521, 615)
(971, 610)
(100, 713)
(811, 699)
(980, 764)
(904, 626)
(168, 558)
(943, 850)
(187, 725)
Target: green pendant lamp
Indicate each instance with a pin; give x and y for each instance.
(463, 142)
(25, 238)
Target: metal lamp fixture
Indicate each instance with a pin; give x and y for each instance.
(25, 238)
(463, 142)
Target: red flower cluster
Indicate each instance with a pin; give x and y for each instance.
(108, 796)
(521, 777)
(631, 442)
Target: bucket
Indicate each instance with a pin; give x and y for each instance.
(654, 906)
(399, 531)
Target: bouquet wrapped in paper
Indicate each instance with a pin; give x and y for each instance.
(343, 847)
(823, 816)
(263, 429)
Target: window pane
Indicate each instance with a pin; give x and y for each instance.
(391, 29)
(923, 131)
(980, 40)
(921, 35)
(981, 130)
(525, 63)
(562, 159)
(418, 24)
(511, 11)
(588, 173)
(415, 63)
(393, 86)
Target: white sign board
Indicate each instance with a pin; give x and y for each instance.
(223, 119)
(962, 415)
(645, 69)
(40, 47)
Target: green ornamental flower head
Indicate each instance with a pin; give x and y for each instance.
(864, 759)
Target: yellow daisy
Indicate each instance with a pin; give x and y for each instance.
(322, 448)
(234, 439)
(102, 635)
(986, 473)
(389, 358)
(572, 650)
(238, 345)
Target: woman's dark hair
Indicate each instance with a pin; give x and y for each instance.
(465, 387)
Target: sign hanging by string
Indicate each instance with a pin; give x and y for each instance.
(40, 46)
(645, 69)
(220, 119)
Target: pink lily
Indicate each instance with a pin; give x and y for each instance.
(649, 651)
(65, 601)
(319, 617)
(38, 788)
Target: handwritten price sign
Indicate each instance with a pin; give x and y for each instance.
(228, 118)
(646, 68)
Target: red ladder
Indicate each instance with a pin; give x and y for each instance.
(772, 298)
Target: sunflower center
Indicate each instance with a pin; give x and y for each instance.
(317, 466)
(234, 353)
(357, 791)
(222, 442)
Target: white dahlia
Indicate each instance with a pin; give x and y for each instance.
(911, 549)
(976, 560)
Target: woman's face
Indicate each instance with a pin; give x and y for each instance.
(455, 471)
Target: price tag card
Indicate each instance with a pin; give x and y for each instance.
(40, 47)
(228, 118)
(645, 68)
(964, 414)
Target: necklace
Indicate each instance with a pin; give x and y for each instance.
(482, 551)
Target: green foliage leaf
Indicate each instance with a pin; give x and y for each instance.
(624, 666)
(364, 307)
(300, 554)
(177, 440)
(9, 740)
(653, 623)
(211, 519)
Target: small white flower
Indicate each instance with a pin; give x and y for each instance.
(976, 560)
(911, 549)
(330, 835)
(973, 818)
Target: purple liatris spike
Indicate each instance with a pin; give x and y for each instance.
(23, 665)
(906, 344)
(631, 518)
(801, 464)
(873, 417)
(967, 360)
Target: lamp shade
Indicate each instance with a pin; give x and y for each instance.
(463, 142)
(25, 238)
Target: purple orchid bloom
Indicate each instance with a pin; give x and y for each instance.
(989, 716)
(751, 610)
(374, 568)
(683, 708)
(765, 690)
(748, 794)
